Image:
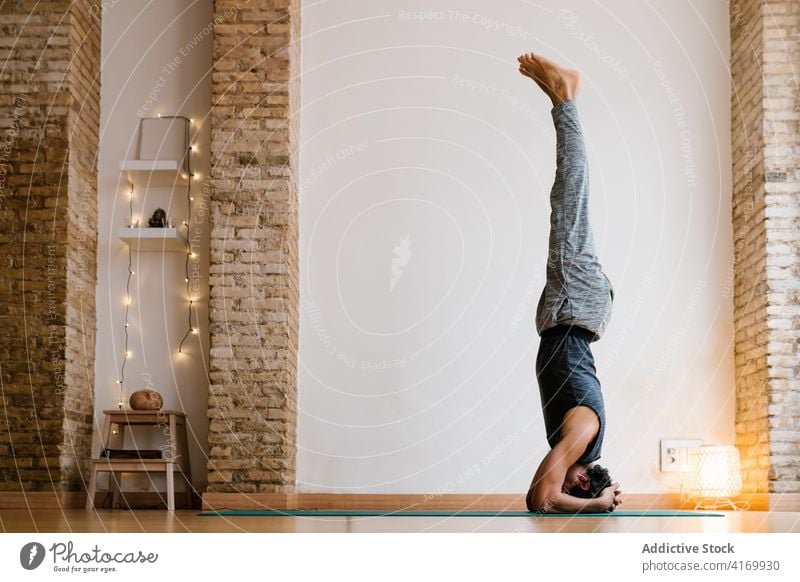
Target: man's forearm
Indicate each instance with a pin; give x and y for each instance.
(565, 503)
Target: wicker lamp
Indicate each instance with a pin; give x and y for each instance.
(716, 477)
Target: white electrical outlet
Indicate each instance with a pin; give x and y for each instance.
(674, 457)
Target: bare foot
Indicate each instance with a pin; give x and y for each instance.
(557, 82)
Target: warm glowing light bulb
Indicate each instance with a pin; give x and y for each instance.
(128, 354)
(127, 301)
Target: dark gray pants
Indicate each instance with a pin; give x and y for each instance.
(577, 291)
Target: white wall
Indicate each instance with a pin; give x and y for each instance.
(429, 385)
(156, 59)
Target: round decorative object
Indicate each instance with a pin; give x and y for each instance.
(146, 400)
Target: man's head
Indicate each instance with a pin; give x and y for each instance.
(586, 481)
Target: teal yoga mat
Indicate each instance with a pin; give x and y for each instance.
(446, 513)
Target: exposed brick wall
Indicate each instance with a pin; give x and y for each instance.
(48, 216)
(253, 264)
(750, 292)
(83, 123)
(766, 219)
(782, 213)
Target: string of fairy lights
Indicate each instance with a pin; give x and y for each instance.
(127, 301)
(190, 254)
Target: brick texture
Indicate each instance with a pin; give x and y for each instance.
(253, 316)
(766, 219)
(50, 116)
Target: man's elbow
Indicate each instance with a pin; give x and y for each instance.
(540, 501)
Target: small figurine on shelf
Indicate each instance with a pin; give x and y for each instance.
(159, 219)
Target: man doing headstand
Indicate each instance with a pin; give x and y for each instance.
(572, 312)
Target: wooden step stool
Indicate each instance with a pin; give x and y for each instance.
(113, 437)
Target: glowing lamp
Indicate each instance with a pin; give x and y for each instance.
(716, 476)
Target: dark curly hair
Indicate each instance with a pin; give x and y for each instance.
(599, 479)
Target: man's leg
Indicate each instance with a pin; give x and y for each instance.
(571, 241)
(571, 253)
(577, 291)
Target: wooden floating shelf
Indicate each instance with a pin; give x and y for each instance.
(159, 170)
(153, 239)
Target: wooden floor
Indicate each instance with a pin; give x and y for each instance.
(185, 521)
